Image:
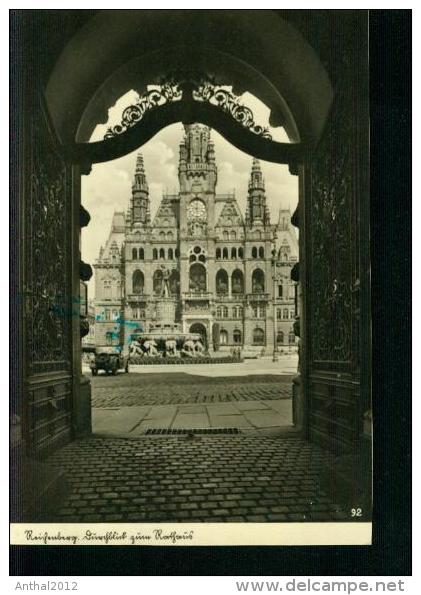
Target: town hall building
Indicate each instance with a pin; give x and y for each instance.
(200, 265)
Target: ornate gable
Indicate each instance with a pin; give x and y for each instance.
(167, 214)
(230, 215)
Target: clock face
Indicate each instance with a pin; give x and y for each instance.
(196, 210)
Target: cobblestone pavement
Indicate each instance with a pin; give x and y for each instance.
(127, 390)
(205, 479)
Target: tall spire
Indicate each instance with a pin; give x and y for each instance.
(257, 210)
(140, 204)
(197, 158)
(256, 177)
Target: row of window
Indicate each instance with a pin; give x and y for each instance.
(108, 315)
(223, 312)
(157, 254)
(232, 235)
(258, 337)
(198, 281)
(224, 253)
(284, 313)
(259, 311)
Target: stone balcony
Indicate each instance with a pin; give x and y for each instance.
(197, 295)
(137, 297)
(258, 297)
(234, 297)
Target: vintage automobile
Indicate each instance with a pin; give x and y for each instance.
(108, 359)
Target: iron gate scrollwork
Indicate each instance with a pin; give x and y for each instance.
(48, 245)
(332, 196)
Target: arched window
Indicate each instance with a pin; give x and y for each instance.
(107, 288)
(218, 253)
(254, 252)
(177, 253)
(225, 253)
(240, 253)
(237, 282)
(134, 254)
(157, 282)
(285, 315)
(175, 282)
(142, 314)
(225, 235)
(170, 235)
(236, 335)
(170, 254)
(261, 252)
(280, 338)
(138, 282)
(162, 235)
(162, 254)
(218, 312)
(233, 235)
(224, 312)
(233, 253)
(197, 278)
(291, 338)
(141, 254)
(258, 281)
(258, 336)
(109, 338)
(278, 313)
(223, 337)
(221, 282)
(155, 254)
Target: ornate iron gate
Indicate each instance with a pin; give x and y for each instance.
(47, 286)
(336, 260)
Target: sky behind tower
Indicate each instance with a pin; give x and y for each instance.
(108, 187)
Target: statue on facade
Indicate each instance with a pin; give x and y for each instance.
(165, 287)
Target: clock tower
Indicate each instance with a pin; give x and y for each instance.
(197, 174)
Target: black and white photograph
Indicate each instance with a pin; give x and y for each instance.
(192, 307)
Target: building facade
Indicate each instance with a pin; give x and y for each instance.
(199, 266)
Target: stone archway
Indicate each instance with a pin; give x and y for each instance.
(335, 280)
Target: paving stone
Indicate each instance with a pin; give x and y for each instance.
(250, 405)
(122, 420)
(213, 478)
(191, 420)
(229, 421)
(264, 419)
(191, 409)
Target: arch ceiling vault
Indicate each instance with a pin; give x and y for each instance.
(119, 51)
